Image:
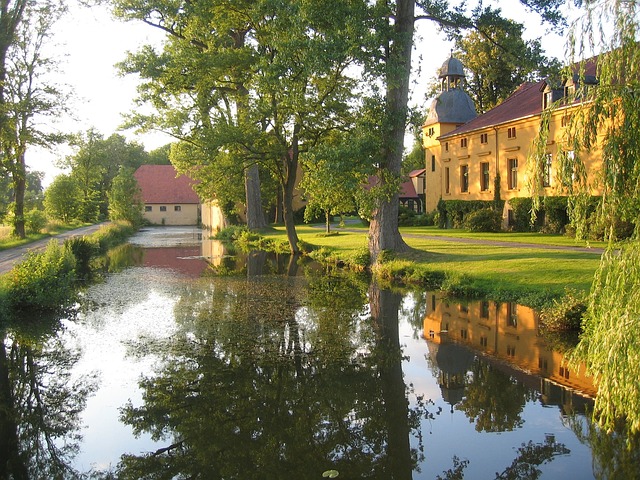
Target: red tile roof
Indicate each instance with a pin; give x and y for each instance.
(160, 185)
(407, 190)
(524, 102)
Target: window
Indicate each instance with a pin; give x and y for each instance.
(565, 120)
(483, 342)
(546, 171)
(512, 314)
(484, 309)
(447, 188)
(484, 138)
(484, 176)
(512, 172)
(446, 146)
(177, 208)
(148, 208)
(511, 132)
(547, 99)
(433, 163)
(163, 208)
(464, 178)
(431, 131)
(463, 143)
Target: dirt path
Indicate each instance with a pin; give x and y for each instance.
(11, 256)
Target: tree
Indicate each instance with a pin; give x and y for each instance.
(499, 59)
(25, 96)
(267, 84)
(392, 46)
(125, 202)
(608, 116)
(95, 164)
(329, 181)
(63, 199)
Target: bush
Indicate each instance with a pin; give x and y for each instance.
(83, 250)
(564, 314)
(521, 220)
(484, 220)
(556, 217)
(452, 213)
(230, 233)
(112, 235)
(34, 221)
(43, 281)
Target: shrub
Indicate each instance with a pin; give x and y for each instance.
(556, 217)
(564, 314)
(483, 220)
(230, 233)
(43, 281)
(362, 258)
(111, 235)
(452, 213)
(83, 250)
(35, 220)
(406, 216)
(521, 220)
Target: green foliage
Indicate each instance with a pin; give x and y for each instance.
(83, 249)
(499, 59)
(230, 233)
(483, 220)
(43, 281)
(522, 208)
(556, 217)
(35, 220)
(125, 201)
(564, 314)
(62, 199)
(610, 344)
(112, 234)
(453, 212)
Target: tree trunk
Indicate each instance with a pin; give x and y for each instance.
(384, 315)
(291, 168)
(253, 196)
(327, 221)
(19, 187)
(383, 229)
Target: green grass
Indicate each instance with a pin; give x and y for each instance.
(529, 275)
(53, 228)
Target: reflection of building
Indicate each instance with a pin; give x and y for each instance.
(453, 361)
(508, 332)
(168, 199)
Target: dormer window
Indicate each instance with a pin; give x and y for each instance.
(547, 99)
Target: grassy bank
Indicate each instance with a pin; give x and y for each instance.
(532, 276)
(47, 281)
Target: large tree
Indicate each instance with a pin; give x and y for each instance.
(25, 94)
(268, 82)
(499, 59)
(94, 165)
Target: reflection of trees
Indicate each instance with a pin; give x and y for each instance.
(266, 379)
(525, 466)
(40, 406)
(615, 454)
(493, 399)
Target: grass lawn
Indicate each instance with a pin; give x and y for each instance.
(500, 271)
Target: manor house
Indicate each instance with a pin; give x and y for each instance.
(465, 151)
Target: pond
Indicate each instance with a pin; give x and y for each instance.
(178, 366)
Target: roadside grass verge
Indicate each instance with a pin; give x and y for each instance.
(531, 276)
(52, 228)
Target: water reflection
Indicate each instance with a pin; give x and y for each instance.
(263, 367)
(40, 402)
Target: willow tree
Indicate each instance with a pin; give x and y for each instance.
(607, 118)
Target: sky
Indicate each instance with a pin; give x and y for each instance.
(92, 42)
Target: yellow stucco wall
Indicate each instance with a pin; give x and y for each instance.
(496, 147)
(173, 214)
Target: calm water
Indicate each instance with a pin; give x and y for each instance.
(168, 371)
